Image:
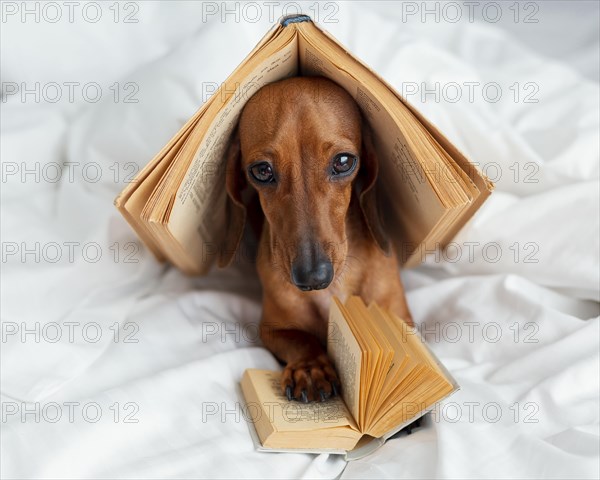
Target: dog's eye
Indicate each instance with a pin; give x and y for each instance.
(343, 163)
(262, 172)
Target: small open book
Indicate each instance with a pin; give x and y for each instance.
(389, 379)
(177, 203)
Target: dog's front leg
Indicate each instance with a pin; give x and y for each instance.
(292, 337)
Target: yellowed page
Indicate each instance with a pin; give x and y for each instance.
(197, 216)
(400, 360)
(287, 415)
(255, 410)
(138, 198)
(426, 389)
(132, 200)
(423, 385)
(382, 358)
(347, 356)
(371, 354)
(281, 423)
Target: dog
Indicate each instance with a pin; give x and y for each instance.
(302, 148)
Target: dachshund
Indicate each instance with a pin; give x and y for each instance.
(303, 150)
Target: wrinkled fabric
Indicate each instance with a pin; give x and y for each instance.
(116, 366)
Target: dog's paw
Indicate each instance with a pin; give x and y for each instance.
(310, 380)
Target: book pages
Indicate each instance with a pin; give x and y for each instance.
(198, 214)
(346, 354)
(295, 416)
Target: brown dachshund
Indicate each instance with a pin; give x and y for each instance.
(302, 146)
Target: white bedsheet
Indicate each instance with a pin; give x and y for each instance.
(515, 317)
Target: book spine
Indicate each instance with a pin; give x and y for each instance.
(285, 21)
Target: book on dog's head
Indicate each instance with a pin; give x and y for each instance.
(389, 378)
(429, 190)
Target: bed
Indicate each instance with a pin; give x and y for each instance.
(116, 366)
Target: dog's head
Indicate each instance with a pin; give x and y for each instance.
(301, 144)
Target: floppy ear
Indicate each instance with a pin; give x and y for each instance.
(367, 193)
(235, 182)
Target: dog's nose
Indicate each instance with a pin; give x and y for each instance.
(312, 277)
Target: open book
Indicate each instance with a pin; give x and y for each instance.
(389, 379)
(177, 202)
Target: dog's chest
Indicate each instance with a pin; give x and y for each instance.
(323, 298)
(344, 286)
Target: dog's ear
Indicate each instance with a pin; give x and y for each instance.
(367, 193)
(235, 182)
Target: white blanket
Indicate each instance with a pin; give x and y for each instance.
(114, 366)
